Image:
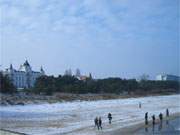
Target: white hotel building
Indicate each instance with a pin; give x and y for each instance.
(166, 77)
(25, 77)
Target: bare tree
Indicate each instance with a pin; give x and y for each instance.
(68, 72)
(78, 72)
(144, 77)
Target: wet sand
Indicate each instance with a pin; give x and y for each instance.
(76, 118)
(141, 129)
(7, 132)
(170, 125)
(167, 127)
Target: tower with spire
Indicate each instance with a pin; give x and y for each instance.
(24, 77)
(42, 71)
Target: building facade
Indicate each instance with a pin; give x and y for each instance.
(25, 77)
(166, 77)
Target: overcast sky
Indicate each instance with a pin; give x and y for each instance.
(122, 38)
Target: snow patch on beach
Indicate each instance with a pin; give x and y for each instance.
(78, 117)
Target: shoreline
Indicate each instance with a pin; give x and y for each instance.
(26, 99)
(77, 117)
(131, 130)
(9, 132)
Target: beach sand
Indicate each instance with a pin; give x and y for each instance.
(76, 118)
(7, 132)
(138, 128)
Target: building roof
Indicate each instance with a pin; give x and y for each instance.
(24, 68)
(26, 63)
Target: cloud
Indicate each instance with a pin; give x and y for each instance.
(120, 19)
(89, 23)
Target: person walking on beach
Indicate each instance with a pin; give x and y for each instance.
(161, 117)
(140, 105)
(110, 117)
(96, 122)
(167, 112)
(167, 115)
(146, 118)
(153, 120)
(161, 120)
(100, 123)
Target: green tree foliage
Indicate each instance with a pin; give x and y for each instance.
(6, 86)
(70, 84)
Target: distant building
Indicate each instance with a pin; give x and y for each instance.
(78, 73)
(25, 77)
(68, 72)
(166, 77)
(84, 77)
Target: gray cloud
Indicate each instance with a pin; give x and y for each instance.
(88, 25)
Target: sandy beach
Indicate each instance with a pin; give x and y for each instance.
(7, 132)
(140, 129)
(77, 118)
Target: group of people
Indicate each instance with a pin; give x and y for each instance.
(154, 119)
(98, 121)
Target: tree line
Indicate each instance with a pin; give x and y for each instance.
(6, 86)
(70, 84)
